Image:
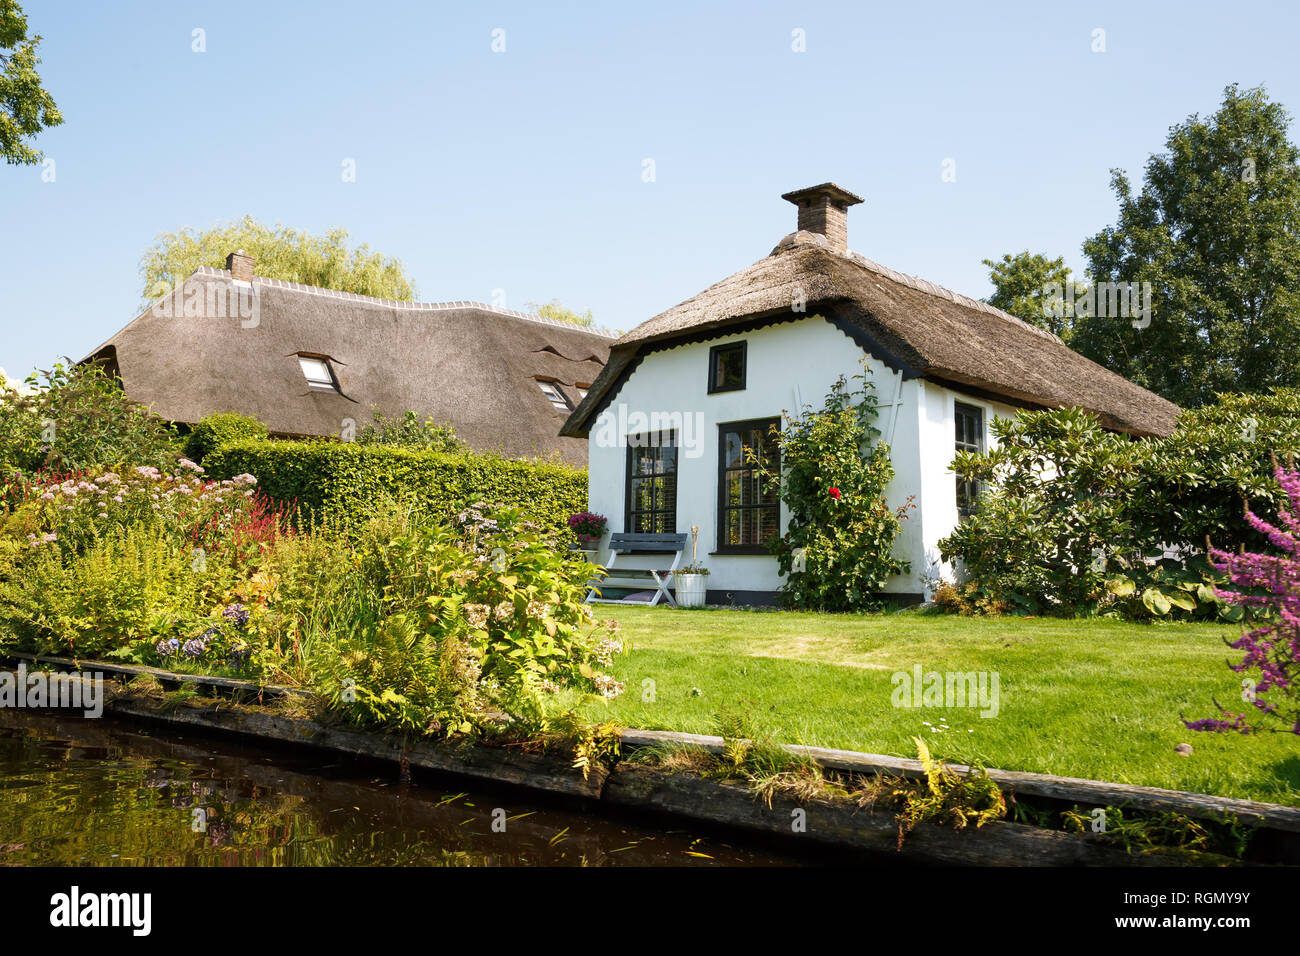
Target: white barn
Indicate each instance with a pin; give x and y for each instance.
(683, 391)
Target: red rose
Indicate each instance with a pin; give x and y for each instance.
(835, 493)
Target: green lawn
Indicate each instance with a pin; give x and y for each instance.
(1097, 699)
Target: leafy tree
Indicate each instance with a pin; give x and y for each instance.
(25, 106)
(555, 310)
(1216, 231)
(1020, 284)
(279, 253)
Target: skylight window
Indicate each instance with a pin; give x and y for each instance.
(316, 369)
(552, 391)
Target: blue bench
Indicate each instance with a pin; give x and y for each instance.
(618, 576)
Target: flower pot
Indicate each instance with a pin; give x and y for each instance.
(690, 589)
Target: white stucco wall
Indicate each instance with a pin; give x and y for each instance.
(788, 366)
(937, 503)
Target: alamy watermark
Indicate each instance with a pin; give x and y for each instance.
(198, 299)
(1102, 300)
(74, 908)
(620, 428)
(921, 688)
(38, 689)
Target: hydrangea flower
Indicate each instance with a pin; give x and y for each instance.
(236, 614)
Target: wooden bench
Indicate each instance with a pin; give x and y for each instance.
(623, 577)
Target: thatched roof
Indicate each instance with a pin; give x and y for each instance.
(465, 364)
(914, 326)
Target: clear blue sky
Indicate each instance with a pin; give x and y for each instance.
(522, 170)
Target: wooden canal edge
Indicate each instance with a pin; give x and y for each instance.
(727, 803)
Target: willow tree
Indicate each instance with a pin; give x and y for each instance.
(278, 252)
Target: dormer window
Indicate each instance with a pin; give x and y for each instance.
(320, 376)
(552, 392)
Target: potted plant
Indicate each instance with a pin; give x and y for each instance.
(690, 584)
(588, 528)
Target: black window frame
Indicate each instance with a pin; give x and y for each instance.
(968, 492)
(635, 444)
(722, 547)
(743, 348)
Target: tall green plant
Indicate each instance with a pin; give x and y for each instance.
(837, 553)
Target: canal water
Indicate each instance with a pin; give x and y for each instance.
(104, 793)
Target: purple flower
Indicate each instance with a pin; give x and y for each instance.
(236, 614)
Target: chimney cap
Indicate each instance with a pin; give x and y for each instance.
(837, 194)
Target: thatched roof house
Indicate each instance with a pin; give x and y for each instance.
(912, 325)
(307, 361)
(686, 394)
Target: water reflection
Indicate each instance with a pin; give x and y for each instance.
(91, 792)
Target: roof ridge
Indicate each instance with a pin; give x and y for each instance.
(930, 288)
(399, 304)
(793, 241)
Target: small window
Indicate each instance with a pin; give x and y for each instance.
(320, 376)
(749, 509)
(552, 391)
(727, 367)
(652, 483)
(969, 437)
(581, 389)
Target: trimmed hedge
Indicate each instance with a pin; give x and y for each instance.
(344, 480)
(222, 428)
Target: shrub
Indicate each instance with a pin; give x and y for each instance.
(410, 431)
(74, 512)
(1074, 518)
(222, 428)
(1055, 500)
(343, 481)
(77, 418)
(837, 553)
(1197, 481)
(449, 627)
(132, 585)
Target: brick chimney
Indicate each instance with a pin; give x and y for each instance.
(824, 210)
(240, 265)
